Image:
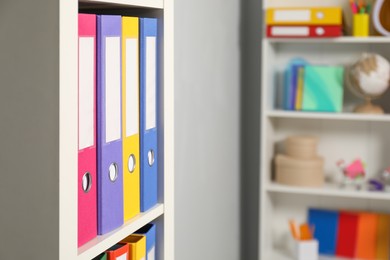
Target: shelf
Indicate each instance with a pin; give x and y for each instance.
(102, 243)
(345, 39)
(329, 191)
(328, 116)
(279, 255)
(158, 4)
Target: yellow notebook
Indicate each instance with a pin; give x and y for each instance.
(137, 246)
(299, 95)
(383, 237)
(130, 117)
(304, 15)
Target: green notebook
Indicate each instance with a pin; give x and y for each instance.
(323, 88)
(102, 256)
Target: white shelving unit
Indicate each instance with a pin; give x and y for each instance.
(39, 97)
(342, 135)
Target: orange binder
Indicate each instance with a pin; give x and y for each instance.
(366, 236)
(304, 15)
(383, 237)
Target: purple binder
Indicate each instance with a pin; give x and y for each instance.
(109, 122)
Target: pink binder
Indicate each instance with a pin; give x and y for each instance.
(87, 184)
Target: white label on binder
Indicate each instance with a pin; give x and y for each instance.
(292, 15)
(152, 254)
(290, 31)
(122, 257)
(86, 92)
(151, 80)
(113, 89)
(132, 86)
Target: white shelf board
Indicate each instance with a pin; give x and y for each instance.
(328, 116)
(344, 39)
(158, 4)
(279, 255)
(328, 190)
(102, 243)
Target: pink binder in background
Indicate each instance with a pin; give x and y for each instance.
(87, 184)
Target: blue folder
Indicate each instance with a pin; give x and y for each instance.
(149, 231)
(149, 120)
(325, 224)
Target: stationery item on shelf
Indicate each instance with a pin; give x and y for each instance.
(383, 237)
(297, 172)
(304, 15)
(347, 234)
(304, 31)
(361, 24)
(102, 256)
(149, 119)
(323, 88)
(119, 251)
(300, 86)
(87, 182)
(291, 82)
(368, 78)
(381, 16)
(366, 236)
(110, 168)
(353, 173)
(130, 117)
(149, 231)
(137, 246)
(301, 147)
(305, 247)
(325, 224)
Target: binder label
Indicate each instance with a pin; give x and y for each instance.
(122, 257)
(86, 92)
(292, 16)
(152, 254)
(113, 89)
(151, 64)
(290, 30)
(132, 87)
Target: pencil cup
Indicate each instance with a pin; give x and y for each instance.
(306, 249)
(361, 25)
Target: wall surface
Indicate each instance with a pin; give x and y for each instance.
(207, 129)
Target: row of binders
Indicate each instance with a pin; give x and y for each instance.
(306, 22)
(351, 234)
(139, 246)
(117, 121)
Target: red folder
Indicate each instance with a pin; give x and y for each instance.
(118, 251)
(303, 31)
(87, 188)
(346, 235)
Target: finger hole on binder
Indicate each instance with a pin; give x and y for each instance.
(151, 157)
(87, 182)
(113, 172)
(131, 163)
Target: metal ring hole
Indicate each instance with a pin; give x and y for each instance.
(151, 157)
(113, 172)
(87, 182)
(131, 163)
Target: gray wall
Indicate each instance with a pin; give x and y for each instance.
(207, 129)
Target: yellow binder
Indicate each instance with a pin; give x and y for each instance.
(383, 238)
(130, 117)
(137, 246)
(304, 15)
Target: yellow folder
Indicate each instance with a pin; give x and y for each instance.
(383, 237)
(130, 117)
(304, 15)
(137, 246)
(298, 100)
